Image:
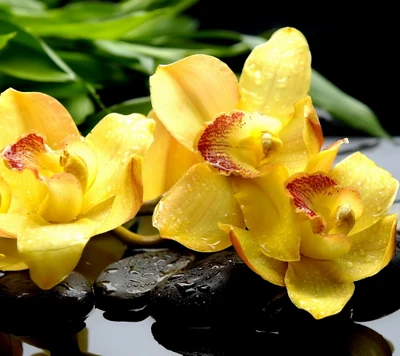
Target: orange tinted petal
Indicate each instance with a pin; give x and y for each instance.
(249, 250)
(23, 112)
(302, 138)
(191, 210)
(324, 159)
(191, 91)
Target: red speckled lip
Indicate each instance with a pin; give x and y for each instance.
(303, 188)
(213, 142)
(23, 153)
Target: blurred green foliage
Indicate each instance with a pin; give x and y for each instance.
(96, 56)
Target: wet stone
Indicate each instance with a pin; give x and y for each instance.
(379, 295)
(219, 289)
(125, 285)
(27, 310)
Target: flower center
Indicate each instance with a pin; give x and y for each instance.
(270, 143)
(62, 200)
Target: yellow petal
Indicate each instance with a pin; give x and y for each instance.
(268, 213)
(80, 160)
(31, 152)
(5, 196)
(276, 75)
(377, 186)
(52, 251)
(319, 197)
(302, 138)
(322, 246)
(11, 225)
(10, 260)
(191, 210)
(64, 200)
(119, 142)
(324, 159)
(233, 142)
(23, 112)
(191, 91)
(318, 287)
(165, 162)
(372, 249)
(248, 249)
(28, 191)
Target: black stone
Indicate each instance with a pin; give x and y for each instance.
(27, 310)
(126, 284)
(219, 289)
(379, 295)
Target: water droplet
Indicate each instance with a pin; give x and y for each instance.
(204, 288)
(111, 270)
(186, 288)
(65, 285)
(2, 274)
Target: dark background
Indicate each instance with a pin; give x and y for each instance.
(353, 43)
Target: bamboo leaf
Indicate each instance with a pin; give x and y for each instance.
(344, 107)
(5, 38)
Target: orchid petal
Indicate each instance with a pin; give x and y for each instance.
(268, 213)
(5, 196)
(372, 249)
(52, 251)
(323, 160)
(191, 91)
(24, 112)
(64, 200)
(248, 249)
(322, 246)
(119, 142)
(10, 260)
(377, 187)
(319, 197)
(233, 142)
(302, 138)
(276, 75)
(165, 162)
(11, 225)
(28, 191)
(191, 210)
(318, 287)
(80, 160)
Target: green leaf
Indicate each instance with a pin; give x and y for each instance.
(13, 62)
(79, 106)
(5, 38)
(105, 28)
(344, 107)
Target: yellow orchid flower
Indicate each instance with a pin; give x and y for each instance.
(231, 128)
(59, 189)
(318, 232)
